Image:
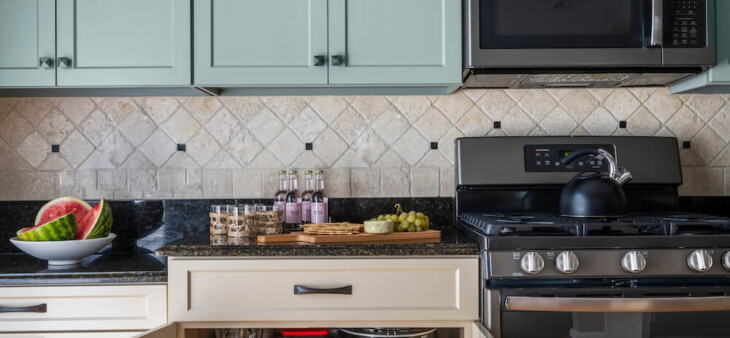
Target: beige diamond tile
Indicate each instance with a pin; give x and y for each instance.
(396, 182)
(7, 104)
(434, 159)
(643, 123)
(370, 107)
(13, 185)
(412, 107)
(217, 183)
(14, 129)
(181, 160)
(137, 126)
(158, 148)
(138, 161)
(447, 144)
(474, 94)
(424, 182)
(707, 145)
(349, 125)
(601, 93)
(433, 124)
(266, 160)
(560, 93)
(390, 125)
(350, 159)
(287, 108)
(203, 108)
(391, 160)
(265, 126)
(475, 123)
(369, 147)
(721, 122)
(537, 103)
(40, 185)
(621, 104)
(34, 149)
(10, 160)
(537, 132)
(329, 146)
(33, 109)
(202, 147)
(110, 154)
(222, 160)
(664, 132)
(76, 149)
(328, 107)
(181, 126)
(454, 106)
(663, 105)
(580, 131)
(689, 157)
(243, 107)
(247, 183)
(685, 124)
(76, 108)
(496, 104)
(307, 125)
(159, 108)
(223, 126)
(55, 162)
(244, 147)
(579, 104)
(722, 160)
(517, 123)
(96, 127)
(117, 109)
(286, 146)
(365, 182)
(515, 94)
(643, 93)
(308, 160)
(412, 146)
(558, 122)
(706, 106)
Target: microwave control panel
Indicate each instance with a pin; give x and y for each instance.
(685, 23)
(547, 157)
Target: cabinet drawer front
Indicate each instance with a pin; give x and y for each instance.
(328, 289)
(122, 334)
(77, 308)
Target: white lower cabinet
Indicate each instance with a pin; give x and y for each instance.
(124, 334)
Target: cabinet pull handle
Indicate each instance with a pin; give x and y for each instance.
(40, 308)
(319, 60)
(46, 63)
(303, 290)
(338, 60)
(64, 62)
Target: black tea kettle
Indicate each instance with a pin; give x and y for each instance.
(594, 193)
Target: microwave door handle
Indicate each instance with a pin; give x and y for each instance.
(596, 304)
(657, 25)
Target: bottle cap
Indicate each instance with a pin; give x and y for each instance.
(282, 171)
(292, 171)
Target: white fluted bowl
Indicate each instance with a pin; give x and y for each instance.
(62, 252)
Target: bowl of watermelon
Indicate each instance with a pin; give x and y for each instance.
(66, 230)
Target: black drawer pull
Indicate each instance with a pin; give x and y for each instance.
(40, 308)
(303, 290)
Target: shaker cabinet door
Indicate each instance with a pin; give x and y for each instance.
(260, 42)
(27, 43)
(123, 42)
(395, 41)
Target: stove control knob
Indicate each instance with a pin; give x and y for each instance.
(566, 262)
(633, 261)
(532, 263)
(700, 260)
(726, 261)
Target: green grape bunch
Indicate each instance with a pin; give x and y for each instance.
(411, 221)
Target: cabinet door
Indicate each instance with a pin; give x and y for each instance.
(260, 42)
(27, 39)
(165, 331)
(721, 73)
(395, 41)
(123, 42)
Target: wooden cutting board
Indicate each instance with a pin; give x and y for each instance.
(428, 236)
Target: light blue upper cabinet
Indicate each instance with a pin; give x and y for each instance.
(123, 42)
(398, 42)
(27, 43)
(260, 42)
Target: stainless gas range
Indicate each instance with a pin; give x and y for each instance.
(656, 272)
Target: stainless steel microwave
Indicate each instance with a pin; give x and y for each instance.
(586, 43)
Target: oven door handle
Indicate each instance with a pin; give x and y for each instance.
(650, 304)
(657, 23)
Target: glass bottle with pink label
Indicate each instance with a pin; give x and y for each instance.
(293, 209)
(307, 197)
(280, 195)
(320, 212)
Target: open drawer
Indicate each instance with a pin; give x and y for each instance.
(207, 289)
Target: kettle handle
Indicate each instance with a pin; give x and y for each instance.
(612, 165)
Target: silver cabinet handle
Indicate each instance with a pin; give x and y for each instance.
(657, 26)
(40, 308)
(319, 60)
(338, 60)
(305, 290)
(64, 62)
(46, 63)
(648, 304)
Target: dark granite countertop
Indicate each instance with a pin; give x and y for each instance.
(22, 269)
(452, 243)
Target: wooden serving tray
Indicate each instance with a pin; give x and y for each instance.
(428, 236)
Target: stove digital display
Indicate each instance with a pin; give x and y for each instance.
(565, 153)
(546, 158)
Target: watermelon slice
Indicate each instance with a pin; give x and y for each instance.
(97, 223)
(63, 228)
(60, 207)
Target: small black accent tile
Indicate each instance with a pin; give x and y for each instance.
(497, 124)
(55, 148)
(181, 147)
(434, 145)
(686, 145)
(622, 124)
(308, 146)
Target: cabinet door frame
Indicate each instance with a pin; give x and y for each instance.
(449, 71)
(178, 74)
(207, 74)
(46, 42)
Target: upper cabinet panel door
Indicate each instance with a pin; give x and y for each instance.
(395, 41)
(124, 42)
(260, 42)
(27, 43)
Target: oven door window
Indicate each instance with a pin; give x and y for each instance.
(525, 24)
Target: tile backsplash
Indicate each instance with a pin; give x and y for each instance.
(370, 146)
